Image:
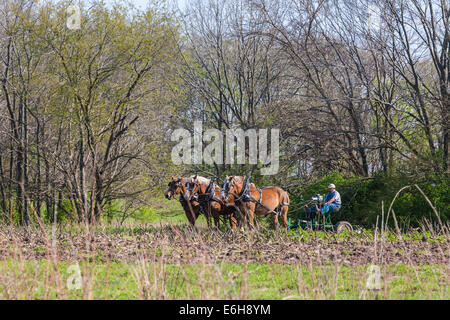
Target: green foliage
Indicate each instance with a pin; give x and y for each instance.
(160, 210)
(362, 198)
(118, 210)
(120, 280)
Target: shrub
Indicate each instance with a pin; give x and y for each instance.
(362, 197)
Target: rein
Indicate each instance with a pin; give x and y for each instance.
(223, 188)
(208, 196)
(204, 199)
(245, 193)
(183, 198)
(245, 196)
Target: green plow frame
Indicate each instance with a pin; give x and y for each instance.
(307, 219)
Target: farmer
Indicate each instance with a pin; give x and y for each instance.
(332, 200)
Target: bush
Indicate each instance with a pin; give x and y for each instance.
(118, 210)
(362, 198)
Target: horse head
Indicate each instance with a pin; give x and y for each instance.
(232, 187)
(196, 186)
(191, 188)
(175, 187)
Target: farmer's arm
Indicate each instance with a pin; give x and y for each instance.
(332, 200)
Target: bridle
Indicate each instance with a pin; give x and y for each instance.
(193, 188)
(225, 193)
(176, 188)
(173, 187)
(245, 195)
(190, 187)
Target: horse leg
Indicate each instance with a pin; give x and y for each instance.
(243, 221)
(191, 214)
(233, 222)
(192, 219)
(283, 215)
(208, 214)
(276, 224)
(216, 210)
(217, 222)
(284, 212)
(251, 217)
(242, 217)
(238, 211)
(216, 216)
(208, 220)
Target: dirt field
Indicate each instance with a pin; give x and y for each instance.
(176, 262)
(175, 244)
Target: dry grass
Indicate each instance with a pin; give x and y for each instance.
(171, 261)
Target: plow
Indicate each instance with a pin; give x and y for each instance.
(309, 217)
(239, 201)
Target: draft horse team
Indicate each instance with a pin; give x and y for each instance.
(239, 200)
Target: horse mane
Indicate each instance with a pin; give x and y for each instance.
(202, 180)
(238, 178)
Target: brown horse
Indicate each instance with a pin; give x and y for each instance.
(207, 194)
(251, 200)
(177, 187)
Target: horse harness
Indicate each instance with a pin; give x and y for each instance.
(210, 194)
(207, 197)
(245, 196)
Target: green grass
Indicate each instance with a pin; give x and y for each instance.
(118, 277)
(160, 211)
(120, 280)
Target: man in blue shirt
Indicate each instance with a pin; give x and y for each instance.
(332, 202)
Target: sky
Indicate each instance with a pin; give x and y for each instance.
(143, 3)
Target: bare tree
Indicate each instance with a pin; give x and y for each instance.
(233, 72)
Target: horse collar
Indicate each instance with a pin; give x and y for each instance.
(223, 188)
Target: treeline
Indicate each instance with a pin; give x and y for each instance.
(364, 198)
(82, 111)
(360, 87)
(355, 86)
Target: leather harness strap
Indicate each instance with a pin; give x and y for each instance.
(210, 194)
(245, 194)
